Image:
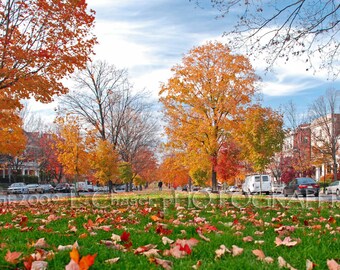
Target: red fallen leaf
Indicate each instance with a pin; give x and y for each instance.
(23, 221)
(186, 249)
(331, 220)
(295, 219)
(163, 231)
(306, 223)
(235, 222)
(125, 236)
(12, 257)
(87, 261)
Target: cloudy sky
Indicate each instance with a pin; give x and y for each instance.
(148, 37)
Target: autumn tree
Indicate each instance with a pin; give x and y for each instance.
(307, 29)
(41, 43)
(125, 173)
(205, 97)
(229, 162)
(326, 128)
(262, 136)
(104, 162)
(72, 147)
(172, 172)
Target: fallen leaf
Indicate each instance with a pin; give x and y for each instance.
(203, 237)
(166, 240)
(41, 243)
(197, 265)
(12, 257)
(221, 251)
(112, 261)
(115, 237)
(333, 265)
(72, 265)
(164, 263)
(39, 265)
(247, 239)
(236, 251)
(309, 265)
(86, 261)
(287, 241)
(259, 254)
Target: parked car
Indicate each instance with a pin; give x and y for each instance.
(81, 187)
(233, 189)
(63, 187)
(34, 188)
(258, 183)
(277, 188)
(120, 188)
(47, 188)
(17, 188)
(302, 186)
(333, 188)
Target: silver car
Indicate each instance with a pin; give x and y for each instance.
(17, 188)
(333, 188)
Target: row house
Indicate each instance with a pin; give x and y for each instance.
(304, 145)
(27, 163)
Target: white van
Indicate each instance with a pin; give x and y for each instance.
(81, 187)
(258, 183)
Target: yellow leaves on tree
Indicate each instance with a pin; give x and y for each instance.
(205, 97)
(104, 162)
(71, 146)
(262, 136)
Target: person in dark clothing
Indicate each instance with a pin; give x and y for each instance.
(160, 184)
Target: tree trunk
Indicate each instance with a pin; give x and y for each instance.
(213, 180)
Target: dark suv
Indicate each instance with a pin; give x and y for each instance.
(63, 187)
(302, 186)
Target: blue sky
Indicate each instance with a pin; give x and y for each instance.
(149, 37)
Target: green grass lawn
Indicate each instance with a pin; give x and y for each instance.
(116, 226)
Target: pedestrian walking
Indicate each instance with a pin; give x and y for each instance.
(160, 184)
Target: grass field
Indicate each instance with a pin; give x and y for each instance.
(170, 231)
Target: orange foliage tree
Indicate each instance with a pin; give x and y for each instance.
(172, 172)
(205, 97)
(72, 148)
(12, 137)
(41, 42)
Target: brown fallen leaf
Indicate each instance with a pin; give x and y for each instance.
(333, 265)
(163, 263)
(309, 265)
(236, 251)
(12, 257)
(247, 239)
(203, 237)
(112, 261)
(287, 241)
(284, 264)
(221, 251)
(259, 254)
(41, 243)
(39, 265)
(197, 265)
(167, 240)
